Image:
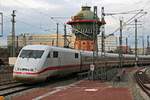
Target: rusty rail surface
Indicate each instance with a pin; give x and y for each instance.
(142, 80)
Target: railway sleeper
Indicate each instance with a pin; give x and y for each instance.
(120, 75)
(82, 75)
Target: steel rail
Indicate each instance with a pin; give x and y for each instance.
(138, 78)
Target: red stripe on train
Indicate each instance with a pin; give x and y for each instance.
(50, 68)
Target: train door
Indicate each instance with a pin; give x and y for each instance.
(55, 59)
(48, 60)
(81, 63)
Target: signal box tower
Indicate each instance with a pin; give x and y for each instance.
(83, 26)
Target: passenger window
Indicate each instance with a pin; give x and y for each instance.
(49, 55)
(55, 54)
(76, 55)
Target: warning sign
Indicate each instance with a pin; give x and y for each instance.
(92, 67)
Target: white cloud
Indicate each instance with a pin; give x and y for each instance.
(119, 1)
(37, 4)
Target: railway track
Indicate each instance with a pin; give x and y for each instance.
(12, 88)
(6, 73)
(7, 82)
(143, 81)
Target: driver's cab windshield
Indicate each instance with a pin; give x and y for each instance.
(31, 53)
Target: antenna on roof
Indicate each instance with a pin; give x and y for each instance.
(84, 3)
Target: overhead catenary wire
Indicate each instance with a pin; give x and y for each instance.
(130, 20)
(30, 25)
(45, 14)
(23, 22)
(19, 2)
(40, 12)
(120, 13)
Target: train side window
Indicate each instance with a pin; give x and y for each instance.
(49, 55)
(76, 55)
(55, 54)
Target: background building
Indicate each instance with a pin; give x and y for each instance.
(147, 50)
(111, 43)
(139, 51)
(43, 39)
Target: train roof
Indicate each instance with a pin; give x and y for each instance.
(64, 49)
(144, 56)
(35, 47)
(44, 47)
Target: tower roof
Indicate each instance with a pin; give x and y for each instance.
(84, 16)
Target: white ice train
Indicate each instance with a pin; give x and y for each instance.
(38, 62)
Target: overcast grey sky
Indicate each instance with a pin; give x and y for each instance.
(33, 16)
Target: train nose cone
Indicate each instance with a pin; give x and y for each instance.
(28, 79)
